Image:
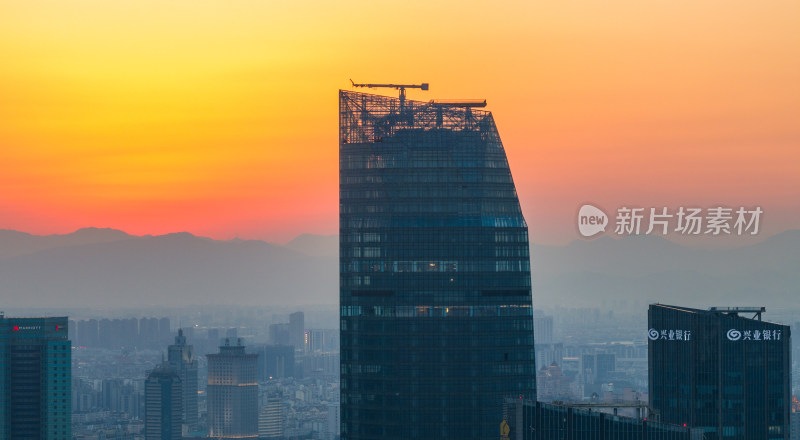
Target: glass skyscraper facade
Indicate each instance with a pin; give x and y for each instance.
(35, 379)
(435, 287)
(718, 371)
(530, 420)
(163, 404)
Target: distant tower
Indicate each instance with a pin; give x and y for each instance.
(297, 331)
(163, 413)
(542, 328)
(35, 379)
(181, 358)
(275, 362)
(232, 393)
(279, 334)
(270, 420)
(334, 420)
(87, 333)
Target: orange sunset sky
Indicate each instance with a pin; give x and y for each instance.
(220, 117)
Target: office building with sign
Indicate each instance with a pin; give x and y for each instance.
(724, 371)
(35, 379)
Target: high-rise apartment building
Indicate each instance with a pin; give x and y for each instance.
(322, 340)
(718, 371)
(334, 421)
(232, 393)
(297, 336)
(435, 287)
(87, 333)
(35, 379)
(543, 328)
(271, 419)
(275, 362)
(597, 367)
(181, 357)
(279, 334)
(163, 404)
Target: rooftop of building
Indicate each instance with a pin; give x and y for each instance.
(368, 118)
(735, 312)
(644, 411)
(163, 370)
(49, 318)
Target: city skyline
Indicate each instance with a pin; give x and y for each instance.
(113, 116)
(197, 258)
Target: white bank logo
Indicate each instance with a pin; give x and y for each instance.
(591, 220)
(754, 335)
(669, 335)
(685, 221)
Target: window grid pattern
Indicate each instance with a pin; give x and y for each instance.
(435, 288)
(731, 389)
(530, 420)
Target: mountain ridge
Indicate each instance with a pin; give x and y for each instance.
(110, 268)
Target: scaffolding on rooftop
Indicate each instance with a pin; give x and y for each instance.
(368, 118)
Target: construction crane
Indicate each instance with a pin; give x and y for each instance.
(401, 87)
(465, 103)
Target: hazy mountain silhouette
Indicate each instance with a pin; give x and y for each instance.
(13, 243)
(630, 272)
(165, 270)
(109, 268)
(316, 245)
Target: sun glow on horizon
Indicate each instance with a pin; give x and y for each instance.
(220, 118)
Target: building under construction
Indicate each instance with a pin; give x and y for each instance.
(435, 287)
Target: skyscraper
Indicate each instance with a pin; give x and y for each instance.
(181, 357)
(232, 393)
(435, 287)
(334, 421)
(163, 409)
(279, 334)
(297, 330)
(87, 333)
(275, 362)
(35, 379)
(718, 371)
